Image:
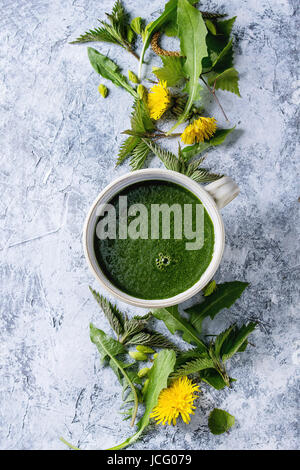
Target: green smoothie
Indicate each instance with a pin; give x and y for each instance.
(157, 268)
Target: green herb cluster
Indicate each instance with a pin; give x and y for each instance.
(204, 362)
(205, 62)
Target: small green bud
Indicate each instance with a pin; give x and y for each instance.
(142, 92)
(103, 90)
(211, 27)
(143, 372)
(145, 349)
(130, 35)
(132, 77)
(155, 355)
(210, 288)
(145, 386)
(138, 356)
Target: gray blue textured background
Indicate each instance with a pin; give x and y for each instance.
(58, 145)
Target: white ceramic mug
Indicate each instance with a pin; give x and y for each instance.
(214, 196)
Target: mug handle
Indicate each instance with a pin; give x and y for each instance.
(223, 191)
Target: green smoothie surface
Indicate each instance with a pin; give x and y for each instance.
(155, 268)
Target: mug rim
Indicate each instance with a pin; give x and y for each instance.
(116, 187)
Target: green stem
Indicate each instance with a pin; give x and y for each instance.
(145, 46)
(68, 444)
(215, 97)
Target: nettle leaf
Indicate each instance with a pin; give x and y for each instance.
(228, 81)
(219, 421)
(126, 148)
(168, 158)
(194, 366)
(116, 32)
(158, 380)
(113, 315)
(102, 34)
(175, 322)
(139, 155)
(192, 33)
(224, 59)
(140, 118)
(152, 339)
(171, 162)
(172, 71)
(224, 296)
(204, 176)
(109, 70)
(235, 340)
(192, 150)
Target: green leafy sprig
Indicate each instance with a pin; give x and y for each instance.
(131, 331)
(108, 347)
(208, 360)
(118, 31)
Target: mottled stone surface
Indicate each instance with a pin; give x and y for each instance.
(58, 143)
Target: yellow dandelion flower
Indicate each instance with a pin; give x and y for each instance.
(176, 400)
(200, 129)
(159, 100)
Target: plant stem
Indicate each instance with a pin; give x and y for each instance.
(68, 444)
(163, 135)
(133, 53)
(213, 92)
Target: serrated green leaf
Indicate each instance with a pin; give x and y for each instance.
(235, 340)
(194, 366)
(126, 148)
(113, 315)
(158, 380)
(225, 296)
(108, 69)
(192, 150)
(172, 71)
(101, 34)
(201, 175)
(139, 155)
(219, 421)
(188, 355)
(168, 158)
(175, 322)
(153, 339)
(171, 162)
(192, 33)
(140, 118)
(228, 81)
